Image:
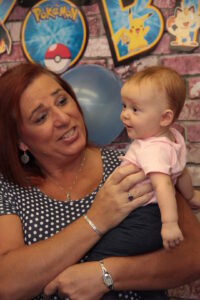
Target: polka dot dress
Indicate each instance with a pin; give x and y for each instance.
(42, 217)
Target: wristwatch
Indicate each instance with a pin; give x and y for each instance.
(107, 279)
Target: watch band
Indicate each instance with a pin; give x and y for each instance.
(107, 278)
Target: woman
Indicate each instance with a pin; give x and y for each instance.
(49, 182)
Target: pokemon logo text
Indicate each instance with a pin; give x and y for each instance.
(54, 12)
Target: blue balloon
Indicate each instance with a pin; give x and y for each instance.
(98, 93)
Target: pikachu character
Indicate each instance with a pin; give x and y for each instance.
(183, 25)
(134, 36)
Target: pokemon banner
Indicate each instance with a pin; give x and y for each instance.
(132, 27)
(55, 34)
(5, 40)
(184, 25)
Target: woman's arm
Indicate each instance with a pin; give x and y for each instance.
(25, 270)
(162, 269)
(184, 185)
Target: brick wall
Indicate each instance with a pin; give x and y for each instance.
(98, 52)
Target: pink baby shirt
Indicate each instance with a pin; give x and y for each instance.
(158, 154)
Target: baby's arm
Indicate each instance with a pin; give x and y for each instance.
(164, 189)
(184, 185)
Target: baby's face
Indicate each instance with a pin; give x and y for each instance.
(143, 107)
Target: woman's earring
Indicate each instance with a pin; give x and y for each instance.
(25, 158)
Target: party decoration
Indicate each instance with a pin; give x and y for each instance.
(132, 29)
(184, 25)
(55, 34)
(57, 58)
(98, 92)
(5, 40)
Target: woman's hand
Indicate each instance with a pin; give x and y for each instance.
(81, 281)
(194, 202)
(111, 204)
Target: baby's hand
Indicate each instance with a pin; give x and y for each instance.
(171, 235)
(194, 202)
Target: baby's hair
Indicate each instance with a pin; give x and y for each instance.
(168, 80)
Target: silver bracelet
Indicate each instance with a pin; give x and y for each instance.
(100, 234)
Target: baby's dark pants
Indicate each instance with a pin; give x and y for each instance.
(139, 233)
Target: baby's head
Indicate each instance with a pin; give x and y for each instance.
(152, 100)
(163, 80)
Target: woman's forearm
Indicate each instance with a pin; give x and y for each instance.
(162, 269)
(25, 271)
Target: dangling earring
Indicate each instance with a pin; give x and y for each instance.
(25, 158)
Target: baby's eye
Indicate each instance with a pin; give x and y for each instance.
(123, 106)
(135, 109)
(40, 118)
(62, 101)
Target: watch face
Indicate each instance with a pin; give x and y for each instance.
(108, 280)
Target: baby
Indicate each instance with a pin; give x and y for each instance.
(152, 100)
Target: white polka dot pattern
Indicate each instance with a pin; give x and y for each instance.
(42, 217)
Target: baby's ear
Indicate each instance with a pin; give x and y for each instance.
(166, 118)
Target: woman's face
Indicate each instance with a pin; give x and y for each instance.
(52, 125)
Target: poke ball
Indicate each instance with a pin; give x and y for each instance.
(57, 58)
